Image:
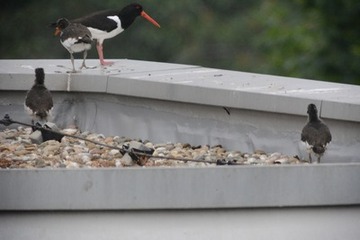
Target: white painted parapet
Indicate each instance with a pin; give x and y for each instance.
(191, 84)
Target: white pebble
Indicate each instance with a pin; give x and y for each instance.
(113, 152)
(72, 165)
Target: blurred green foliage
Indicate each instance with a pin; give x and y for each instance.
(315, 39)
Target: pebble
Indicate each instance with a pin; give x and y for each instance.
(126, 160)
(17, 151)
(114, 152)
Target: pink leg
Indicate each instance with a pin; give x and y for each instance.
(99, 48)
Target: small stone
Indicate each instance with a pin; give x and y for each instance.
(96, 151)
(39, 163)
(294, 160)
(252, 160)
(160, 145)
(217, 146)
(36, 137)
(21, 152)
(70, 164)
(263, 157)
(135, 144)
(30, 147)
(108, 140)
(211, 158)
(11, 134)
(50, 147)
(160, 149)
(169, 147)
(26, 141)
(85, 157)
(126, 160)
(196, 147)
(5, 163)
(121, 140)
(103, 163)
(19, 147)
(283, 160)
(69, 131)
(62, 165)
(118, 163)
(114, 152)
(275, 154)
(200, 157)
(91, 145)
(149, 145)
(260, 152)
(186, 145)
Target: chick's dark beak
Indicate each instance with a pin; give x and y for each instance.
(57, 31)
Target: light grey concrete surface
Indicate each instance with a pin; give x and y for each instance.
(180, 188)
(184, 83)
(251, 224)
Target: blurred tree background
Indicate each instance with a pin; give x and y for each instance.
(314, 39)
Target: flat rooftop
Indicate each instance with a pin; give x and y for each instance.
(174, 102)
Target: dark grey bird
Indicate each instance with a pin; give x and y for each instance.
(315, 134)
(38, 101)
(75, 37)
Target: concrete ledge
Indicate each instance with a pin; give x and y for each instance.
(180, 188)
(193, 84)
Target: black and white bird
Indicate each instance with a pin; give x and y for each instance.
(315, 134)
(75, 37)
(109, 23)
(38, 101)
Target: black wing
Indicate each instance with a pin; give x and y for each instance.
(99, 20)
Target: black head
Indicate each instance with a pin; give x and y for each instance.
(39, 75)
(130, 12)
(60, 25)
(133, 8)
(312, 111)
(318, 149)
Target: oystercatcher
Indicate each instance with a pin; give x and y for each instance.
(109, 23)
(38, 101)
(315, 134)
(74, 37)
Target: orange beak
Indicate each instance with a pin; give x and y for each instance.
(147, 17)
(57, 31)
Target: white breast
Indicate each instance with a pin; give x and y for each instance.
(73, 47)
